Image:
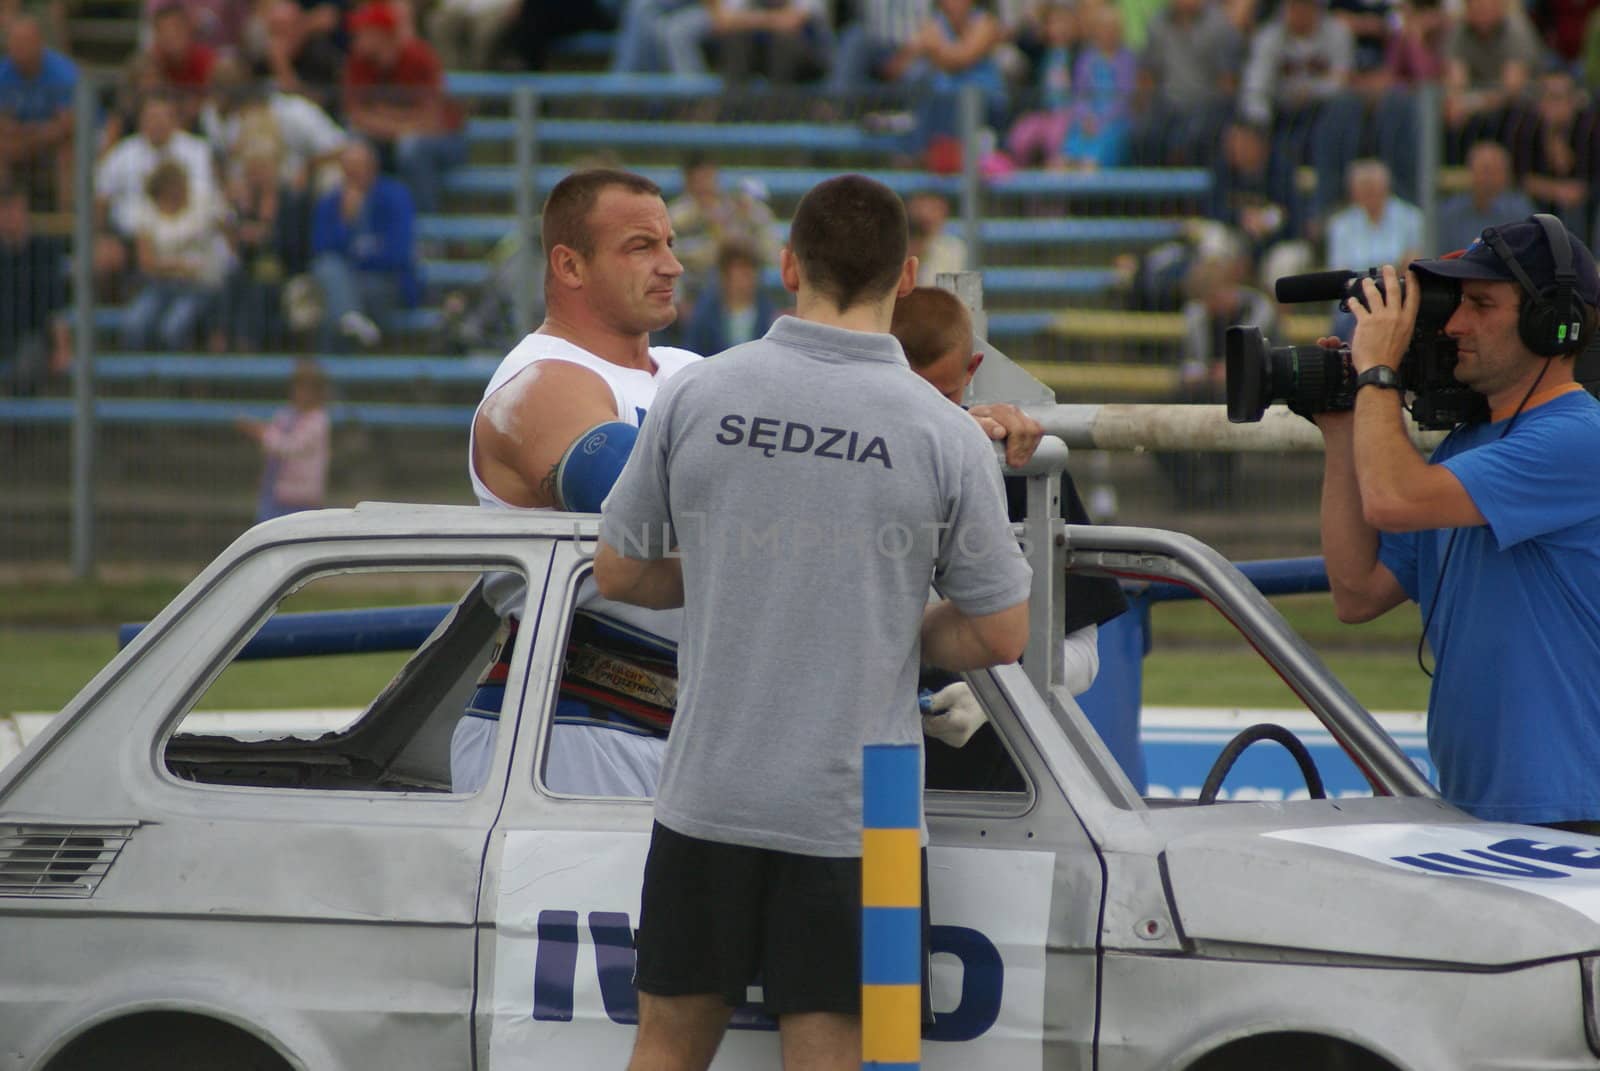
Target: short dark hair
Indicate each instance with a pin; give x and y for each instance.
(566, 211)
(930, 323)
(849, 236)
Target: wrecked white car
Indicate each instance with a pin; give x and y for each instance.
(175, 894)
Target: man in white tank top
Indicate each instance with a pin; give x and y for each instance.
(554, 426)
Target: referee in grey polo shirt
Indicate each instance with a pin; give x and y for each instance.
(813, 487)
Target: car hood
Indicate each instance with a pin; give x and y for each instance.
(1476, 893)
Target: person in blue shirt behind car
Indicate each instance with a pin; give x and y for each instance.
(1497, 536)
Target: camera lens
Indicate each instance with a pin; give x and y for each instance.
(1308, 378)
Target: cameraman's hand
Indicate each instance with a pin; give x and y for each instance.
(1384, 324)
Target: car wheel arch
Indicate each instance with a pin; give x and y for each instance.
(1300, 1049)
(151, 1038)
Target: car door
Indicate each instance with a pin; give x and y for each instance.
(1015, 889)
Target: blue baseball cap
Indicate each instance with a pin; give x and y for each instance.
(1526, 242)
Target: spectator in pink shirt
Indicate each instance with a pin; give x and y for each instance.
(296, 444)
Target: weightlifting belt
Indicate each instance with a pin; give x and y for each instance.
(614, 676)
(621, 671)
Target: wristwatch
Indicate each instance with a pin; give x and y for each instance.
(1379, 375)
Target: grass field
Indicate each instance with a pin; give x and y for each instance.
(54, 639)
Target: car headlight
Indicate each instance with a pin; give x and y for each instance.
(1589, 968)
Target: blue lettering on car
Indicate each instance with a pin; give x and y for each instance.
(556, 968)
(1515, 857)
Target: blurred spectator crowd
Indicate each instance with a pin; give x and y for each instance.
(265, 162)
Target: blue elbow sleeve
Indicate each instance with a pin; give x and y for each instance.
(592, 464)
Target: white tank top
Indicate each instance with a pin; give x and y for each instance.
(633, 390)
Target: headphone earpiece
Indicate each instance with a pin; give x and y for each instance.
(1551, 321)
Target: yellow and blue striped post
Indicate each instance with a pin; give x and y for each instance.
(891, 908)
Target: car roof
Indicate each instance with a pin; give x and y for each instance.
(397, 519)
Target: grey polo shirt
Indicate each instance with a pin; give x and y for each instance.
(814, 486)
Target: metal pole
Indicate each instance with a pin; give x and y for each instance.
(968, 287)
(525, 103)
(1430, 137)
(1046, 546)
(1186, 427)
(83, 423)
(971, 119)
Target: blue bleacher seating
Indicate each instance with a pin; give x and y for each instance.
(992, 232)
(1157, 183)
(607, 133)
(190, 412)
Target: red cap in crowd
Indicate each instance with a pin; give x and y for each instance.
(374, 15)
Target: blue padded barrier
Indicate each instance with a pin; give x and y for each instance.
(332, 632)
(1271, 576)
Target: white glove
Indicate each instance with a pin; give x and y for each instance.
(1080, 659)
(956, 715)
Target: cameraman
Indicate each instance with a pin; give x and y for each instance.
(1497, 537)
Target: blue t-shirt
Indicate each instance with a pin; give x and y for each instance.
(34, 100)
(1514, 713)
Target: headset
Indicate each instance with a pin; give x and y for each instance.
(1551, 323)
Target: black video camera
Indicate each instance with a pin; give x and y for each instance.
(1311, 379)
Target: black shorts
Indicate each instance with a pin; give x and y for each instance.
(718, 918)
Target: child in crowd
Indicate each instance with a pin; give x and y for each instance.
(182, 261)
(1102, 85)
(296, 445)
(1038, 135)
